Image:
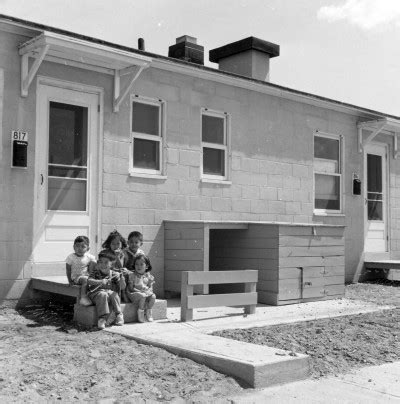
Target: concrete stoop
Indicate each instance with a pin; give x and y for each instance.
(87, 315)
(256, 365)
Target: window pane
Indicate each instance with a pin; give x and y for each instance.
(374, 169)
(145, 118)
(146, 154)
(375, 210)
(212, 129)
(66, 194)
(327, 149)
(327, 192)
(213, 161)
(326, 166)
(57, 171)
(68, 134)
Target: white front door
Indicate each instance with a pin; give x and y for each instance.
(375, 169)
(66, 171)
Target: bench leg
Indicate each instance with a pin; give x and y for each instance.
(248, 288)
(186, 290)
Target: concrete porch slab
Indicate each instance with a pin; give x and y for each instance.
(256, 365)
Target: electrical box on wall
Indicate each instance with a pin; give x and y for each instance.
(19, 149)
(356, 184)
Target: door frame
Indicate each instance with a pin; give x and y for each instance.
(385, 188)
(98, 166)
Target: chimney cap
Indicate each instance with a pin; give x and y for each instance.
(250, 43)
(186, 38)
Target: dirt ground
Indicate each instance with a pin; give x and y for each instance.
(339, 344)
(45, 357)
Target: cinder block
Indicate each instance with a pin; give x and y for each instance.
(189, 158)
(251, 192)
(87, 315)
(141, 216)
(221, 204)
(172, 156)
(177, 202)
(200, 203)
(241, 205)
(115, 215)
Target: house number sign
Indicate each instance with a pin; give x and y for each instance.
(19, 149)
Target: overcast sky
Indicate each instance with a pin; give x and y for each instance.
(348, 50)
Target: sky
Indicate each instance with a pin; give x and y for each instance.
(347, 50)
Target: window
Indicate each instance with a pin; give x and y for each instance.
(327, 173)
(214, 144)
(147, 136)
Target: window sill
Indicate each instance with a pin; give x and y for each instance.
(145, 175)
(329, 214)
(211, 181)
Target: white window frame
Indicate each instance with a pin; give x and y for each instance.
(160, 139)
(339, 174)
(225, 147)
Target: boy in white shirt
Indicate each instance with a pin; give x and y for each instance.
(77, 267)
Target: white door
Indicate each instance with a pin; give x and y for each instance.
(66, 171)
(375, 169)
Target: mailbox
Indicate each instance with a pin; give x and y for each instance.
(19, 149)
(356, 185)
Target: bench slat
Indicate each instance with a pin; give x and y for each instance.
(215, 277)
(231, 299)
(55, 287)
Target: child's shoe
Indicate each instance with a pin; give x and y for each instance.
(111, 318)
(119, 319)
(101, 324)
(149, 315)
(140, 316)
(85, 301)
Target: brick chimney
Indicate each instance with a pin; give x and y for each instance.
(248, 57)
(186, 48)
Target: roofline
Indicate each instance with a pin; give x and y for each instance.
(42, 27)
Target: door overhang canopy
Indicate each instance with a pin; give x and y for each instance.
(388, 126)
(85, 54)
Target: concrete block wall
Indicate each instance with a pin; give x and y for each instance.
(271, 177)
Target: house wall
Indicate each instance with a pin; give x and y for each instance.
(271, 164)
(16, 185)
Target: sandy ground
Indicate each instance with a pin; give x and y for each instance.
(45, 357)
(337, 345)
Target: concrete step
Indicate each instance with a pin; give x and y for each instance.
(87, 315)
(382, 264)
(393, 275)
(256, 365)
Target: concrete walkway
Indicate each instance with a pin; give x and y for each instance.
(259, 366)
(208, 320)
(369, 385)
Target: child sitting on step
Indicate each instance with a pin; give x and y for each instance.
(116, 243)
(140, 288)
(135, 241)
(104, 289)
(77, 267)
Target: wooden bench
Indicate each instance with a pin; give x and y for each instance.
(86, 315)
(189, 279)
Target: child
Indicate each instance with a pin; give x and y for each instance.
(115, 242)
(140, 288)
(77, 265)
(103, 289)
(135, 240)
